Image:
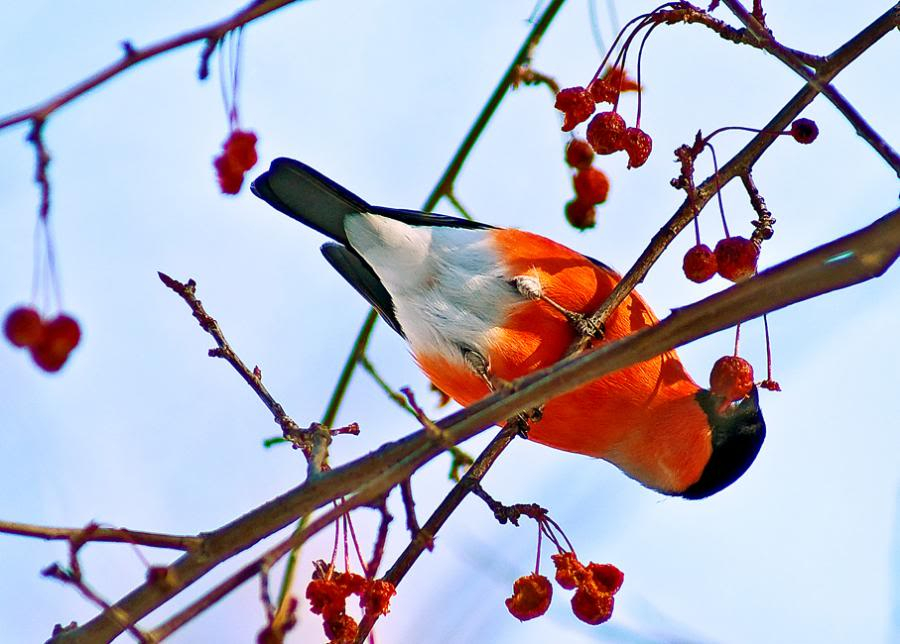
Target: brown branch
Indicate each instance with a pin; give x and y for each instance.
(212, 34)
(188, 292)
(740, 164)
(380, 540)
(890, 19)
(109, 535)
(764, 225)
(855, 258)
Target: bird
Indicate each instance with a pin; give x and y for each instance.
(481, 305)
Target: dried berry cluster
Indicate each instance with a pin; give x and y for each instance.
(328, 595)
(49, 341)
(594, 584)
(238, 156)
(607, 132)
(591, 185)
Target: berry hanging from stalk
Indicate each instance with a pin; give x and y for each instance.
(731, 378)
(591, 186)
(577, 104)
(606, 133)
(579, 154)
(638, 145)
(699, 263)
(736, 258)
(531, 597)
(581, 214)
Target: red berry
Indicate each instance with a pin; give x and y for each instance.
(771, 385)
(579, 153)
(63, 332)
(804, 130)
(606, 577)
(569, 571)
(638, 145)
(531, 597)
(241, 148)
(23, 327)
(602, 91)
(350, 582)
(231, 177)
(326, 597)
(606, 89)
(581, 214)
(376, 598)
(592, 607)
(731, 378)
(606, 133)
(699, 263)
(340, 628)
(577, 104)
(591, 185)
(736, 258)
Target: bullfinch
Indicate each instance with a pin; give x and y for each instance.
(481, 305)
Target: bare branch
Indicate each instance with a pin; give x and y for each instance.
(109, 535)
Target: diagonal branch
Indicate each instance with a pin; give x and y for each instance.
(740, 164)
(891, 18)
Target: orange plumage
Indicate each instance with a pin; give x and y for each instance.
(622, 417)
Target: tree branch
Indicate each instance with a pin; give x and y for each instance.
(110, 535)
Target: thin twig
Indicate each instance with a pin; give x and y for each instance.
(132, 56)
(188, 292)
(108, 535)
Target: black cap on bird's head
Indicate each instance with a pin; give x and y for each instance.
(737, 436)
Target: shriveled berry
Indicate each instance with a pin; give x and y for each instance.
(731, 378)
(531, 597)
(340, 629)
(579, 153)
(606, 133)
(350, 582)
(577, 104)
(606, 577)
(376, 597)
(606, 89)
(569, 571)
(770, 384)
(638, 145)
(326, 597)
(699, 263)
(230, 176)
(241, 148)
(804, 130)
(736, 258)
(591, 185)
(23, 326)
(581, 214)
(592, 607)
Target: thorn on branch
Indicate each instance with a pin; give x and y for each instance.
(128, 50)
(409, 504)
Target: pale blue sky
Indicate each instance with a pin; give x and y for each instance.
(141, 429)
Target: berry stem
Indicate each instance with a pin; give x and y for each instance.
(640, 91)
(337, 527)
(768, 348)
(537, 563)
(359, 555)
(718, 187)
(737, 338)
(697, 228)
(742, 128)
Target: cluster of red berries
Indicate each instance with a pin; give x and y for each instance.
(607, 132)
(328, 595)
(49, 341)
(238, 156)
(734, 259)
(591, 185)
(592, 602)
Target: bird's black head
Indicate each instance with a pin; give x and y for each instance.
(737, 436)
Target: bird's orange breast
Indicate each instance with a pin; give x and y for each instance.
(643, 418)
